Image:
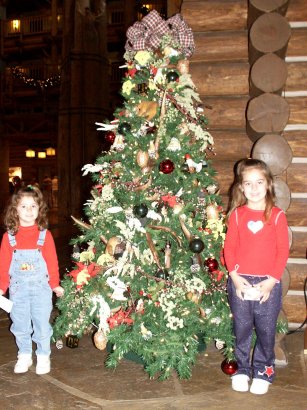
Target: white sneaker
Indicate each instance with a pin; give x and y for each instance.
(239, 382)
(43, 364)
(259, 386)
(23, 363)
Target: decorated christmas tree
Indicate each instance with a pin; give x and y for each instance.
(148, 276)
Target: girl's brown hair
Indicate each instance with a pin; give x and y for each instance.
(11, 219)
(237, 196)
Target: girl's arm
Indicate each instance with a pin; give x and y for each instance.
(50, 256)
(5, 258)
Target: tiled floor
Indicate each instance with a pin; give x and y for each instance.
(79, 379)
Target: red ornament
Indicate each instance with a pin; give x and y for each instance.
(229, 367)
(212, 264)
(110, 137)
(166, 166)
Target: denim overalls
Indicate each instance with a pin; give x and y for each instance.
(32, 298)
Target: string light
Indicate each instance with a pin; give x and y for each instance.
(53, 81)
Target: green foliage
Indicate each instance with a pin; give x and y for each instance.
(117, 284)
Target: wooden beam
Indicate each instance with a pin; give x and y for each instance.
(221, 78)
(268, 75)
(221, 46)
(217, 16)
(270, 33)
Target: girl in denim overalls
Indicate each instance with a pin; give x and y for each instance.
(256, 250)
(29, 267)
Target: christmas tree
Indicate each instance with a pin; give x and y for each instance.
(148, 276)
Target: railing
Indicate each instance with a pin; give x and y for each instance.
(31, 25)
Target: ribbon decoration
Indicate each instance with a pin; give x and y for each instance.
(147, 34)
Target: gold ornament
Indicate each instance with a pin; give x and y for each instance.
(212, 212)
(195, 297)
(142, 158)
(183, 66)
(100, 340)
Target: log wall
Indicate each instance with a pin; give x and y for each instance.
(220, 69)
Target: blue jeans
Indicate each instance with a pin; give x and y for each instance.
(32, 301)
(247, 316)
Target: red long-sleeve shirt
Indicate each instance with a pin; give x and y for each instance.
(27, 238)
(254, 247)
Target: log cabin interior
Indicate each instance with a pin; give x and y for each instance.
(59, 74)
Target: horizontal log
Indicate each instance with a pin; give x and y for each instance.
(226, 113)
(215, 16)
(297, 10)
(225, 176)
(297, 141)
(220, 78)
(297, 273)
(221, 46)
(297, 74)
(258, 7)
(231, 145)
(295, 308)
(268, 75)
(270, 33)
(297, 42)
(299, 245)
(297, 177)
(267, 113)
(298, 107)
(296, 214)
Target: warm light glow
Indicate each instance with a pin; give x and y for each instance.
(15, 25)
(41, 154)
(50, 152)
(30, 153)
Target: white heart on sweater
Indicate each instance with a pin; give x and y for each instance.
(255, 226)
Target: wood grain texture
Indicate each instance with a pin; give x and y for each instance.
(226, 113)
(297, 10)
(295, 308)
(297, 177)
(297, 45)
(297, 76)
(298, 107)
(220, 78)
(215, 15)
(298, 274)
(297, 141)
(221, 46)
(296, 213)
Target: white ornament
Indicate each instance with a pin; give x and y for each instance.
(174, 145)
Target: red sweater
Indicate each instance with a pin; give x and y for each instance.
(253, 247)
(27, 238)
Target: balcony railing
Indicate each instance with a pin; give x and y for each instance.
(31, 25)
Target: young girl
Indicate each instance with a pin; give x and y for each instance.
(29, 267)
(256, 251)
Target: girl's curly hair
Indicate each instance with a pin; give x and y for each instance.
(11, 219)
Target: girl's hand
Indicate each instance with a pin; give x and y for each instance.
(265, 288)
(1, 292)
(241, 284)
(59, 291)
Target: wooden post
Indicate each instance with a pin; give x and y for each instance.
(270, 33)
(268, 75)
(258, 7)
(82, 102)
(267, 113)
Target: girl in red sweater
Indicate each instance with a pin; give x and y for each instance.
(29, 268)
(256, 250)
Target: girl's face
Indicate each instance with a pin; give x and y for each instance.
(254, 187)
(27, 211)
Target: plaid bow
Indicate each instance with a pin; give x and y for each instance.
(147, 34)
